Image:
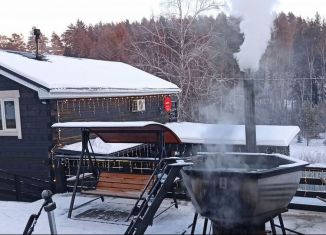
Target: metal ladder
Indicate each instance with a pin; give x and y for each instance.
(144, 212)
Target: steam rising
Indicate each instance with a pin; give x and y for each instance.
(256, 24)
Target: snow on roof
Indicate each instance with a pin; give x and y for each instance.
(201, 133)
(126, 132)
(103, 124)
(67, 77)
(99, 147)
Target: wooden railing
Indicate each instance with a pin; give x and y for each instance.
(16, 187)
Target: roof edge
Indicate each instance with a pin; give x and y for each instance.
(22, 79)
(93, 94)
(46, 93)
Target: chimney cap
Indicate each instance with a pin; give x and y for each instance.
(37, 32)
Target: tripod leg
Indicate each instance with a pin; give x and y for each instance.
(205, 226)
(28, 228)
(194, 224)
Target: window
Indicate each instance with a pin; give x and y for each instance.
(9, 114)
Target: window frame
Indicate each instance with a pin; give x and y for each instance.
(10, 95)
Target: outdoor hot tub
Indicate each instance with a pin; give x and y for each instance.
(241, 188)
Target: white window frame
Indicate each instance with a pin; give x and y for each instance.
(11, 95)
(135, 105)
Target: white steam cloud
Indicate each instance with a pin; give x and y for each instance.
(256, 25)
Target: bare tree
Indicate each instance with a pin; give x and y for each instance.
(171, 49)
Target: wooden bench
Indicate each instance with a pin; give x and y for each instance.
(120, 185)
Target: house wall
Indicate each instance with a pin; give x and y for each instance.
(106, 109)
(30, 155)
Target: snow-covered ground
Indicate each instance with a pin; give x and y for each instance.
(108, 217)
(315, 153)
(98, 217)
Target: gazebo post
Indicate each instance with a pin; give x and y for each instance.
(161, 144)
(95, 173)
(85, 138)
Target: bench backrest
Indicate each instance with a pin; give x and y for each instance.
(122, 181)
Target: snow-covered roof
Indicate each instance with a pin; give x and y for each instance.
(67, 77)
(104, 124)
(201, 133)
(126, 132)
(99, 147)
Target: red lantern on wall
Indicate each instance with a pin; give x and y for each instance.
(167, 103)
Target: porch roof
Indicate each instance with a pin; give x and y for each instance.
(125, 132)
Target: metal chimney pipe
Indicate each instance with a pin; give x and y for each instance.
(37, 34)
(249, 108)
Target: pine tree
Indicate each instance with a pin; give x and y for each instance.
(57, 47)
(16, 42)
(309, 120)
(3, 42)
(77, 40)
(299, 138)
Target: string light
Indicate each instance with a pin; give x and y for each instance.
(98, 102)
(94, 107)
(73, 105)
(111, 104)
(58, 120)
(67, 104)
(79, 108)
(103, 103)
(89, 104)
(150, 102)
(62, 105)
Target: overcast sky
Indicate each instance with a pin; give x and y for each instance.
(20, 16)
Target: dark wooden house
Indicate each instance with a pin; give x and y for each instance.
(35, 93)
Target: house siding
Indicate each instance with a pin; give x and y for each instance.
(106, 109)
(30, 155)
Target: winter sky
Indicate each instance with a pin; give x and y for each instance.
(19, 16)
